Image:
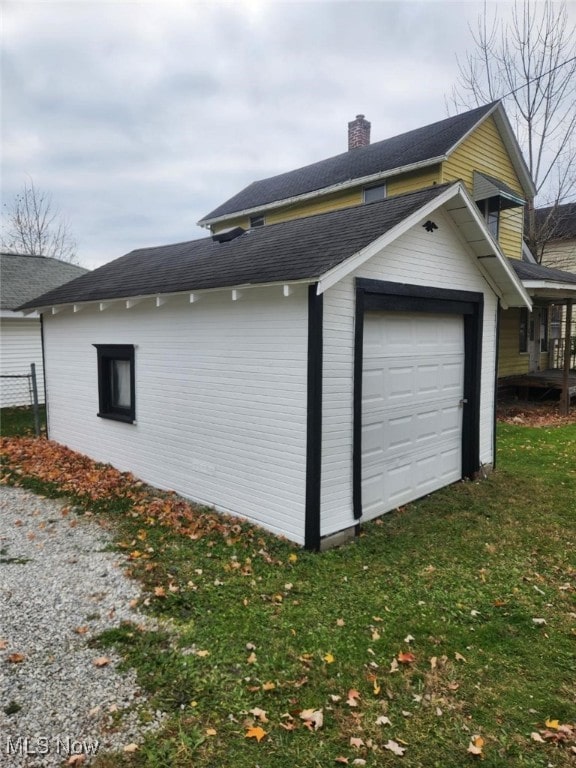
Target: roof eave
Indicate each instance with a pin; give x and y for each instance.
(357, 182)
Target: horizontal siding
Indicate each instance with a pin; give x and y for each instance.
(560, 254)
(421, 259)
(511, 360)
(409, 182)
(220, 399)
(485, 151)
(21, 345)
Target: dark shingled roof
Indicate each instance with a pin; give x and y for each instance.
(527, 271)
(415, 146)
(25, 277)
(299, 249)
(562, 223)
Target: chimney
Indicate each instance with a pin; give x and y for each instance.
(358, 133)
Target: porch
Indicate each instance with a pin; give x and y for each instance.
(550, 380)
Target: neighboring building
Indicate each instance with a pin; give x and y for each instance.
(23, 278)
(558, 224)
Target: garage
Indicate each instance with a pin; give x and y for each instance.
(412, 400)
(418, 353)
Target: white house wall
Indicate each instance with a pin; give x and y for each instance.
(439, 259)
(221, 395)
(20, 345)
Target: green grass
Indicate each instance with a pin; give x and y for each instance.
(464, 571)
(20, 420)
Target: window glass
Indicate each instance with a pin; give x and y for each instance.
(371, 194)
(544, 329)
(116, 382)
(523, 340)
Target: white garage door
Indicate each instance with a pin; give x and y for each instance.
(412, 387)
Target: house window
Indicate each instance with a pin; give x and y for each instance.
(544, 329)
(523, 341)
(116, 382)
(491, 210)
(256, 221)
(556, 322)
(372, 194)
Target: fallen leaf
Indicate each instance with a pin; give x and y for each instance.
(406, 658)
(356, 742)
(375, 634)
(76, 760)
(459, 657)
(250, 647)
(3, 644)
(259, 713)
(433, 662)
(383, 720)
(268, 686)
(334, 697)
(535, 736)
(256, 732)
(131, 747)
(16, 658)
(312, 718)
(329, 658)
(251, 659)
(211, 732)
(539, 622)
(159, 592)
(359, 761)
(555, 724)
(409, 639)
(340, 622)
(101, 661)
(393, 746)
(475, 746)
(394, 666)
(292, 558)
(342, 760)
(81, 630)
(353, 696)
(202, 654)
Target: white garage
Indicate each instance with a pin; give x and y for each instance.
(412, 401)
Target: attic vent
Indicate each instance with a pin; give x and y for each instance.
(225, 235)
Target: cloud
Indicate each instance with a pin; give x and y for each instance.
(140, 117)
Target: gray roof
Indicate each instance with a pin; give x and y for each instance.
(559, 221)
(416, 146)
(527, 271)
(25, 277)
(300, 249)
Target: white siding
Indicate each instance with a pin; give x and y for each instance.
(220, 398)
(20, 345)
(438, 259)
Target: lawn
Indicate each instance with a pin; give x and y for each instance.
(443, 636)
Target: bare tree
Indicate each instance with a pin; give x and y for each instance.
(33, 225)
(530, 63)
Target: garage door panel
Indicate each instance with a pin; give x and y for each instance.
(412, 387)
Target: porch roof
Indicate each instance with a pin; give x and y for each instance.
(545, 282)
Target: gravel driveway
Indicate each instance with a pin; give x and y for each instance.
(55, 577)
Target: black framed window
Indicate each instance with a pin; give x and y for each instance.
(523, 335)
(116, 382)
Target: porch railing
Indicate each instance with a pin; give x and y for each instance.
(557, 353)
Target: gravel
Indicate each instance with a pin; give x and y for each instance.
(55, 576)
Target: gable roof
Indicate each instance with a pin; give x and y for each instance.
(298, 250)
(421, 147)
(25, 277)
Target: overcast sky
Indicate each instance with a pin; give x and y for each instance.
(141, 117)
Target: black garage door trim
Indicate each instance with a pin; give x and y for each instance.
(401, 297)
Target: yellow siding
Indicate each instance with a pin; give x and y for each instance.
(511, 361)
(485, 151)
(320, 204)
(408, 182)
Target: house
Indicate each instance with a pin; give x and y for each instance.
(23, 278)
(477, 148)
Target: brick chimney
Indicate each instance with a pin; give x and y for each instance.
(358, 133)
